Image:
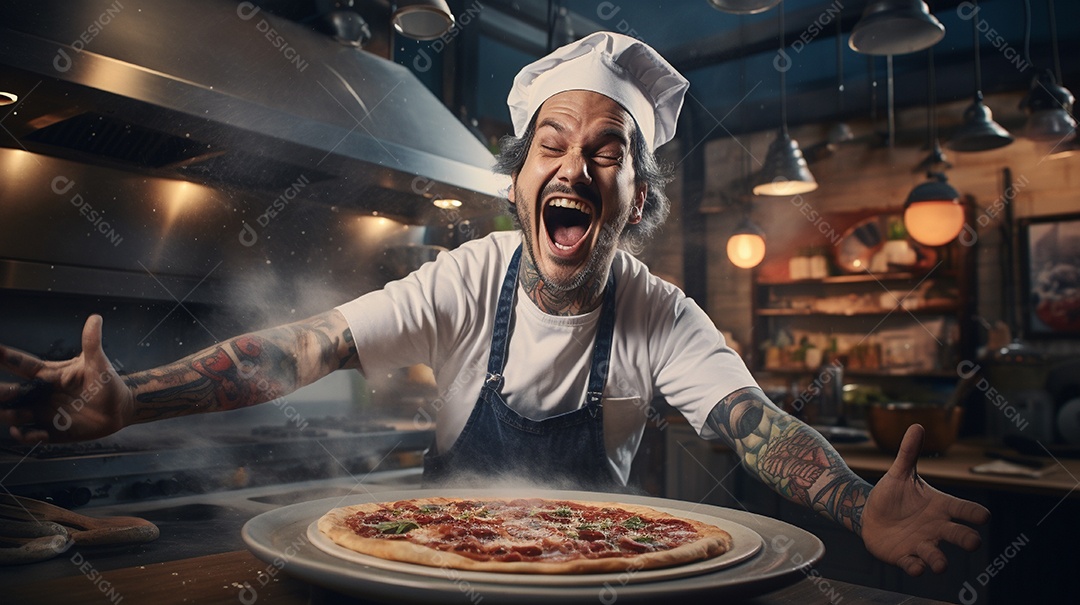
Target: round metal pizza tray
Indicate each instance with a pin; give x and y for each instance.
(782, 556)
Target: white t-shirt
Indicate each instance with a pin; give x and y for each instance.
(442, 315)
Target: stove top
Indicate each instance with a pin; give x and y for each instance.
(113, 471)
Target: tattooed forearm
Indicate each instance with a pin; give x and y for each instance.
(790, 457)
(245, 370)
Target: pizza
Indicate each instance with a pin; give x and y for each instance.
(524, 535)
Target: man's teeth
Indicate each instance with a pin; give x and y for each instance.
(573, 204)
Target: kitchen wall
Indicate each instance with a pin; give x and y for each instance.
(864, 175)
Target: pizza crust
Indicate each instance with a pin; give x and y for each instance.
(712, 541)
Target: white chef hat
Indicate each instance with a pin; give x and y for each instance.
(622, 68)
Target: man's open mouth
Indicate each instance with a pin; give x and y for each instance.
(567, 222)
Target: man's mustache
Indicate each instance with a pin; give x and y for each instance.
(577, 190)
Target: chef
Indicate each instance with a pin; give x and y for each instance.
(547, 342)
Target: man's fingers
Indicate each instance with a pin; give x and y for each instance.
(24, 395)
(968, 511)
(29, 434)
(932, 556)
(904, 465)
(91, 335)
(912, 565)
(962, 536)
(19, 363)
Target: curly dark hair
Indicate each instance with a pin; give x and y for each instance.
(647, 169)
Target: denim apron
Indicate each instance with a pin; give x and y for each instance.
(565, 451)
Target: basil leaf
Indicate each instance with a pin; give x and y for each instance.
(634, 522)
(562, 511)
(397, 527)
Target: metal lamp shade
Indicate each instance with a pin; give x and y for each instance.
(422, 19)
(743, 7)
(785, 171)
(933, 215)
(896, 27)
(1049, 108)
(746, 246)
(979, 132)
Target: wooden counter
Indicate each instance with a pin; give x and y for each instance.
(954, 468)
(220, 579)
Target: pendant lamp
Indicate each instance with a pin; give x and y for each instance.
(743, 7)
(422, 19)
(933, 215)
(1048, 104)
(895, 27)
(785, 171)
(979, 132)
(1049, 108)
(746, 246)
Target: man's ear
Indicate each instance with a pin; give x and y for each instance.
(639, 203)
(513, 186)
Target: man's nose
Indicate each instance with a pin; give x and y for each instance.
(575, 168)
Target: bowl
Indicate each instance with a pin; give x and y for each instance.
(889, 421)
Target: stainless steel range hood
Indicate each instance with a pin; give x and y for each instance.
(284, 135)
(209, 86)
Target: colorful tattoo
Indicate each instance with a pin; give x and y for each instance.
(245, 370)
(790, 457)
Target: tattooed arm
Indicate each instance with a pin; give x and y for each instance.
(901, 519)
(85, 398)
(790, 457)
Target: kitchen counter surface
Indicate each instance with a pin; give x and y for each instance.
(221, 578)
(954, 468)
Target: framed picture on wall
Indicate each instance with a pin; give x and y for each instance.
(1050, 270)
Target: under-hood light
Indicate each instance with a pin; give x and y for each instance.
(422, 19)
(7, 98)
(446, 203)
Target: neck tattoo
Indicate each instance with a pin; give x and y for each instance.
(556, 301)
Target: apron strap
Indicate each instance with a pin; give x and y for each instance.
(601, 360)
(500, 337)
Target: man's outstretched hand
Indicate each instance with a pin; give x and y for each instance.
(74, 400)
(905, 519)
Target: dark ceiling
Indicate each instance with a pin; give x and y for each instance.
(729, 59)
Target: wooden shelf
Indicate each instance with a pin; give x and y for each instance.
(936, 310)
(859, 278)
(882, 373)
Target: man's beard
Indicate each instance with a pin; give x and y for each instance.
(594, 268)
